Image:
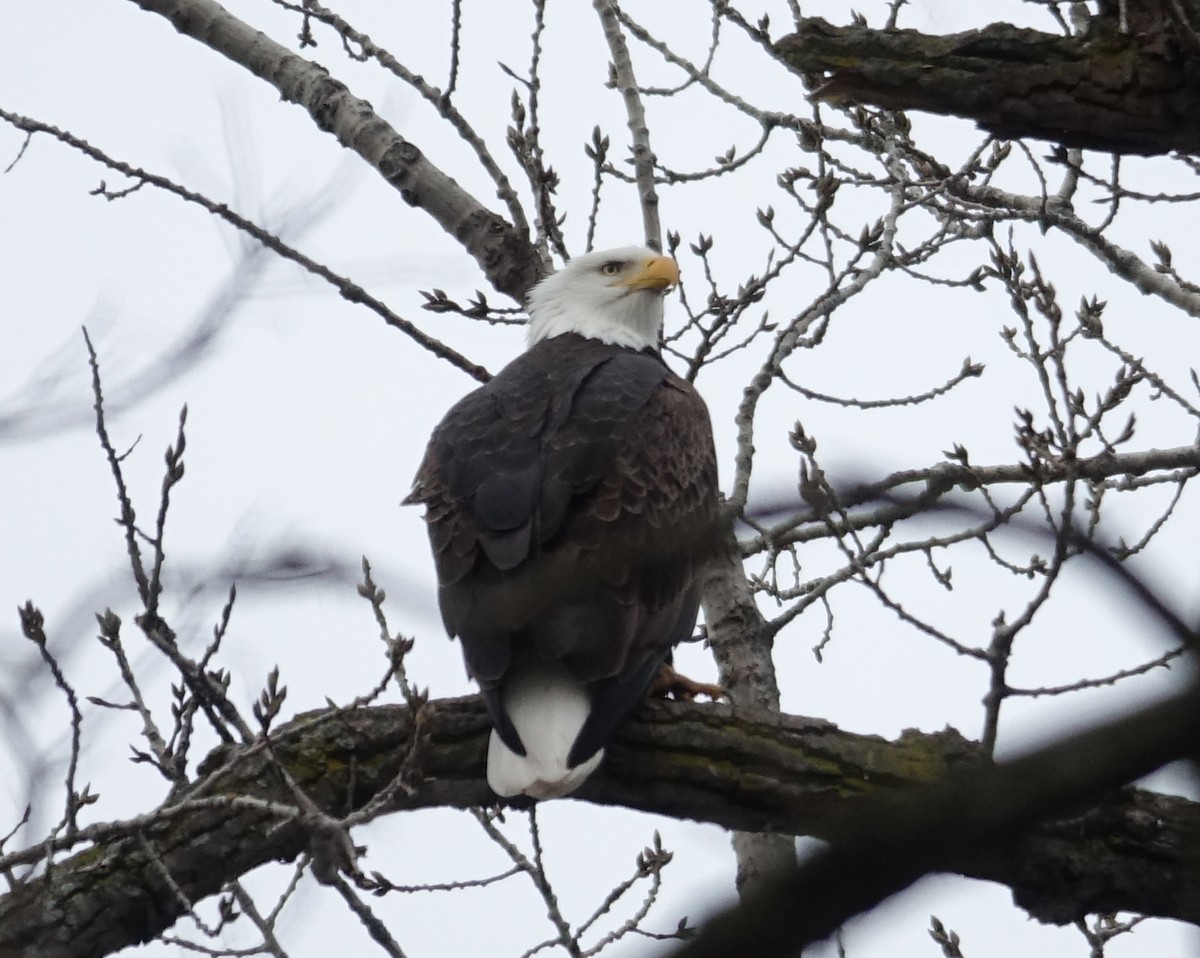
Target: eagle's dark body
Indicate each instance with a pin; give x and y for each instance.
(570, 504)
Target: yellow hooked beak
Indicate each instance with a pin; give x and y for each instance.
(658, 272)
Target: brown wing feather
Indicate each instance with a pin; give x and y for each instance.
(658, 500)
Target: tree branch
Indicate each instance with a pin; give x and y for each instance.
(1135, 92)
(503, 252)
(983, 820)
(743, 769)
(643, 156)
(742, 644)
(1116, 468)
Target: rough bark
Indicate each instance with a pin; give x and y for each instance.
(1136, 92)
(744, 769)
(504, 253)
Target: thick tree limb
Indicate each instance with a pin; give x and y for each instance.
(983, 819)
(1131, 93)
(743, 769)
(503, 252)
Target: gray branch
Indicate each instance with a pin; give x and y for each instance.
(503, 252)
(643, 155)
(1115, 468)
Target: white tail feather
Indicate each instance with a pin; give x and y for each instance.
(548, 708)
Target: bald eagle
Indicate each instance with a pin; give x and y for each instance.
(570, 503)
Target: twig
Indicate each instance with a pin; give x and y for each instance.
(348, 289)
(33, 627)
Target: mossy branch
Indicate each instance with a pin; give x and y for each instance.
(743, 769)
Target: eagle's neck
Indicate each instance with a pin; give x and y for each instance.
(633, 320)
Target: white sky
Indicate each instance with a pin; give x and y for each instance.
(307, 418)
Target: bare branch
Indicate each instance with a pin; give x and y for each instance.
(1113, 469)
(643, 155)
(348, 290)
(502, 251)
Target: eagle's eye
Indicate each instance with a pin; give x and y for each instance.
(611, 268)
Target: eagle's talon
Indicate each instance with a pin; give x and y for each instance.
(671, 684)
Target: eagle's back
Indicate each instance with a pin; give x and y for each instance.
(570, 503)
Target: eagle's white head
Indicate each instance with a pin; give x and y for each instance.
(615, 296)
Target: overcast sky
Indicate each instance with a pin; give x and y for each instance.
(307, 418)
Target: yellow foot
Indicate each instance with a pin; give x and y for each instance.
(669, 683)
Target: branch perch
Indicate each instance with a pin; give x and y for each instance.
(744, 769)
